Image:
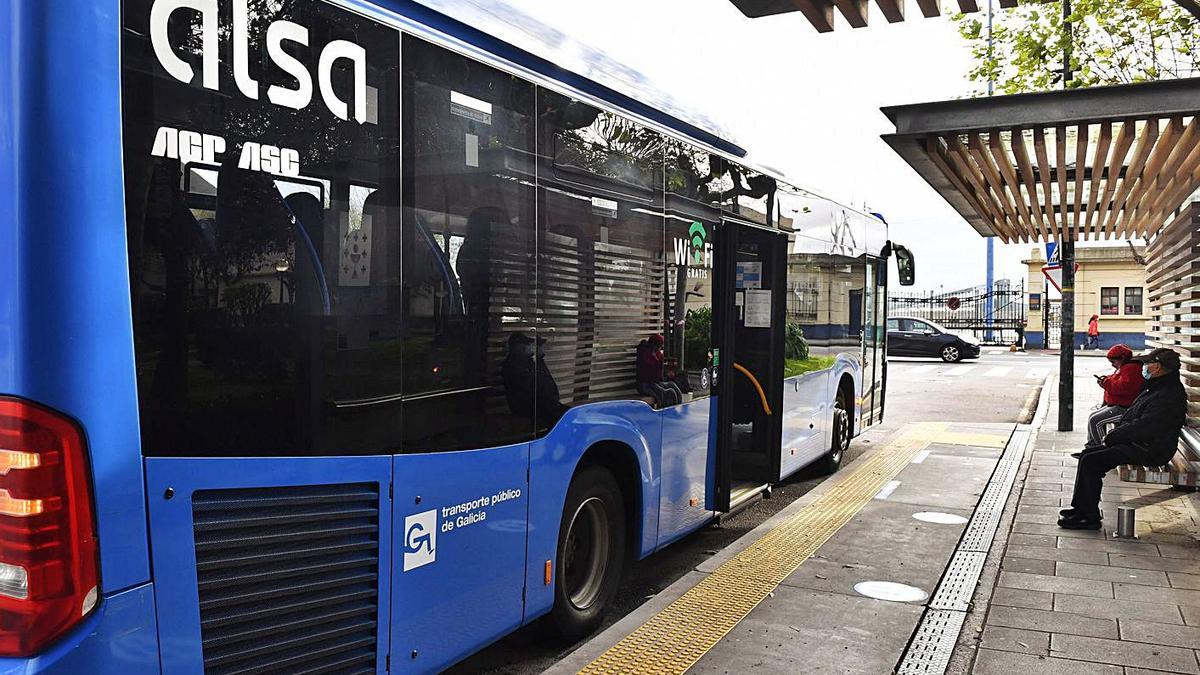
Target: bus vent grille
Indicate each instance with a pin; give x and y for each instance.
(288, 578)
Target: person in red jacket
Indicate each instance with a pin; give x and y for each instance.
(1093, 338)
(1120, 389)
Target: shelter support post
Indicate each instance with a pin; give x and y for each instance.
(1066, 363)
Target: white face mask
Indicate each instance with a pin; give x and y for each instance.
(1146, 371)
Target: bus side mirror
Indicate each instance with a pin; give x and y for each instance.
(905, 265)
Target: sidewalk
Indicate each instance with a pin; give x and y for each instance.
(789, 596)
(1069, 601)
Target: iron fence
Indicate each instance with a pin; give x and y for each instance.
(994, 317)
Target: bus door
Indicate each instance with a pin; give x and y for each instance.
(748, 331)
(874, 322)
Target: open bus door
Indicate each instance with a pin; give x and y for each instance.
(749, 303)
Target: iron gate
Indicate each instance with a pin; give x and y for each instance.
(994, 317)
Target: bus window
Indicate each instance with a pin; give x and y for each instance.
(470, 337)
(264, 240)
(601, 252)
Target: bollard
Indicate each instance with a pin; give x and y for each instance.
(1126, 525)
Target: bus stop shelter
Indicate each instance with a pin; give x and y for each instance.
(1105, 163)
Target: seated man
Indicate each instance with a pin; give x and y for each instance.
(1120, 388)
(1146, 435)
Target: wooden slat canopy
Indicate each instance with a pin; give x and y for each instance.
(820, 12)
(1103, 163)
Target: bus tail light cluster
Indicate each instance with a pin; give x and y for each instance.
(48, 569)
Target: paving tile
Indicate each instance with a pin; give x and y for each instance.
(1191, 615)
(1052, 584)
(1053, 530)
(1106, 608)
(1159, 633)
(1101, 650)
(1027, 565)
(993, 662)
(1108, 546)
(1144, 671)
(1017, 597)
(1039, 500)
(1035, 540)
(1051, 553)
(1177, 551)
(1181, 580)
(1049, 485)
(1015, 640)
(1148, 562)
(1175, 596)
(1049, 519)
(1050, 621)
(1032, 508)
(1106, 573)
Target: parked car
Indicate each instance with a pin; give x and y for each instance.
(909, 336)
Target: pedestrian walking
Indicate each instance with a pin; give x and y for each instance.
(1146, 435)
(1093, 338)
(1120, 388)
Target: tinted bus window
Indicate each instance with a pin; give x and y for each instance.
(472, 378)
(693, 178)
(601, 252)
(263, 225)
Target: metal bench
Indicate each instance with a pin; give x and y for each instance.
(1182, 471)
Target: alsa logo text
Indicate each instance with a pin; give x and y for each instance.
(278, 34)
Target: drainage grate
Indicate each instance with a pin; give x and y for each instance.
(287, 578)
(933, 644)
(958, 583)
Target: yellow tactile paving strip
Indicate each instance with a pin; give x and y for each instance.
(678, 636)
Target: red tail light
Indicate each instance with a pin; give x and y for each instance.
(48, 570)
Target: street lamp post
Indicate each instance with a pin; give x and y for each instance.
(281, 269)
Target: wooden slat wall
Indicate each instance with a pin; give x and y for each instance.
(1173, 297)
(597, 303)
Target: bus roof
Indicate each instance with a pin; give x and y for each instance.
(492, 28)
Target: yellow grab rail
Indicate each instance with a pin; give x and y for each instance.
(761, 394)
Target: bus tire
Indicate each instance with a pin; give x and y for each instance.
(832, 460)
(591, 553)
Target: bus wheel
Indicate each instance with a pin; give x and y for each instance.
(841, 435)
(591, 553)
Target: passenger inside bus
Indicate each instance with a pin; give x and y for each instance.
(529, 387)
(651, 380)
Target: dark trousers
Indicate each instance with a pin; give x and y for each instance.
(1089, 475)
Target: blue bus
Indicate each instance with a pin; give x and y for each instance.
(341, 336)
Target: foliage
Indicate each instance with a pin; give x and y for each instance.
(794, 367)
(1111, 42)
(697, 337)
(794, 344)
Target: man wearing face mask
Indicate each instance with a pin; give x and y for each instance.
(1146, 435)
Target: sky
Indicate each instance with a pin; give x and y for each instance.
(801, 102)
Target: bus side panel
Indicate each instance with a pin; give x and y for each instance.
(173, 483)
(553, 461)
(119, 637)
(684, 464)
(807, 411)
(65, 330)
(459, 567)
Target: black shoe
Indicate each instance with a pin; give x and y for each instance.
(1078, 522)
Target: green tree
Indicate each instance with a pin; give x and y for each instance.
(1111, 42)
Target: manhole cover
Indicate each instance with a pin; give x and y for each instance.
(890, 591)
(939, 518)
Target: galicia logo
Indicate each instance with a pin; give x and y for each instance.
(420, 539)
(694, 252)
(278, 33)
